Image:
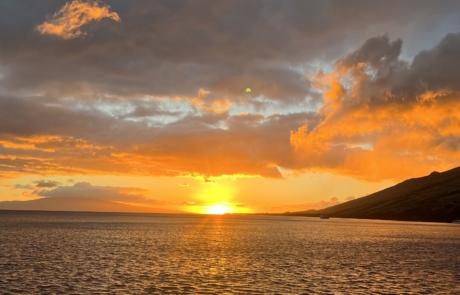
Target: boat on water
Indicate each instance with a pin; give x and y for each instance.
(324, 217)
(456, 221)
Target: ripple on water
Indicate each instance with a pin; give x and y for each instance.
(82, 253)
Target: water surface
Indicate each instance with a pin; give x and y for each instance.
(106, 253)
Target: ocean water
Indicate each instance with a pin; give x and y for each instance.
(106, 253)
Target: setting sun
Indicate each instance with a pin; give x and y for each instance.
(218, 209)
(221, 147)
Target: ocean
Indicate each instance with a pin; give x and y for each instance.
(115, 253)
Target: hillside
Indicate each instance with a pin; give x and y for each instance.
(79, 204)
(435, 198)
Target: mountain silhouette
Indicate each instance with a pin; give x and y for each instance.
(79, 204)
(434, 198)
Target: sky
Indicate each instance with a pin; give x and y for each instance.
(219, 106)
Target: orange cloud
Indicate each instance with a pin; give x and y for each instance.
(378, 123)
(381, 118)
(67, 22)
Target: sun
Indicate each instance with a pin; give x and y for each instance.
(218, 209)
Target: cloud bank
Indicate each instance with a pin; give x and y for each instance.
(384, 117)
(163, 92)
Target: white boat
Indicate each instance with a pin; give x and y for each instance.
(456, 221)
(324, 217)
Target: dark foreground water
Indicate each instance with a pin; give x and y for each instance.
(94, 253)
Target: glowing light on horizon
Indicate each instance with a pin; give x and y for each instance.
(218, 209)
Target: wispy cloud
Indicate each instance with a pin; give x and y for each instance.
(21, 186)
(67, 22)
(46, 183)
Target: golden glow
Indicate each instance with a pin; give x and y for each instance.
(215, 199)
(215, 194)
(218, 209)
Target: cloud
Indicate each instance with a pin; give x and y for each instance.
(163, 93)
(381, 118)
(109, 193)
(67, 22)
(209, 181)
(46, 183)
(309, 206)
(384, 118)
(322, 204)
(162, 49)
(52, 140)
(350, 198)
(21, 186)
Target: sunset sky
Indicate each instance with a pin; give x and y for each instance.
(226, 106)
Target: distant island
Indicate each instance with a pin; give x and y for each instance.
(79, 204)
(432, 198)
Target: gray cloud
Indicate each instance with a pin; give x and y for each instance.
(438, 67)
(393, 79)
(46, 183)
(378, 52)
(217, 45)
(20, 186)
